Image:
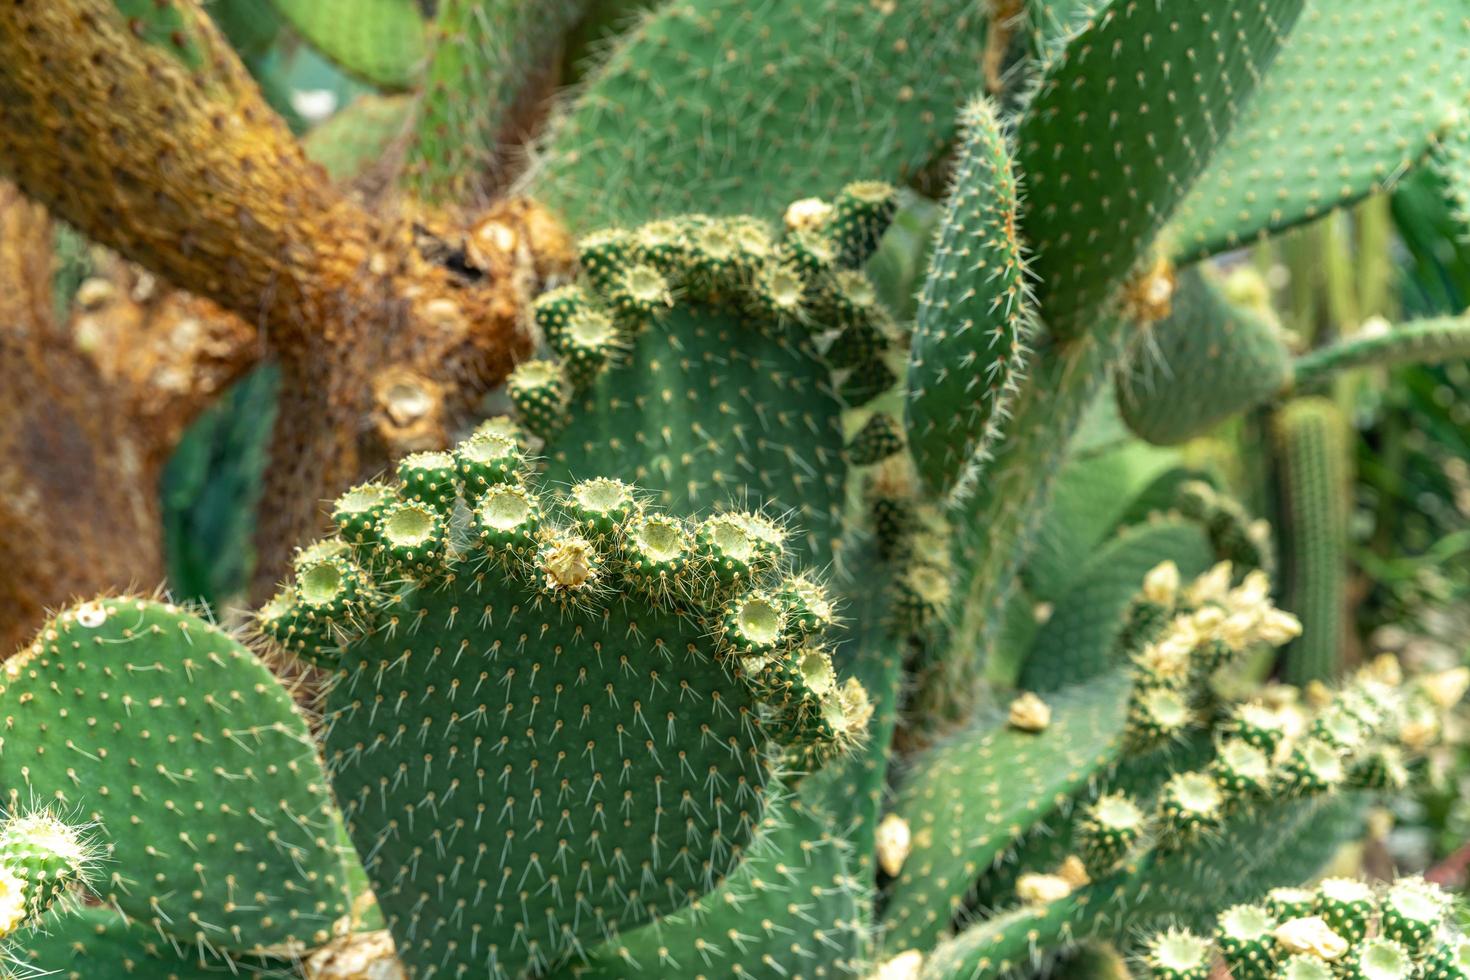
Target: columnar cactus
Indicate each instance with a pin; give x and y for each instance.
(767, 634)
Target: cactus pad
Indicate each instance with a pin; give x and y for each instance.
(202, 777)
(593, 695)
(972, 317)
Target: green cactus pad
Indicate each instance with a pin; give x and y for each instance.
(1080, 638)
(217, 824)
(1416, 342)
(974, 795)
(1357, 96)
(972, 317)
(717, 402)
(659, 131)
(99, 944)
(1205, 344)
(482, 54)
(1312, 438)
(378, 41)
(1143, 89)
(792, 909)
(588, 751)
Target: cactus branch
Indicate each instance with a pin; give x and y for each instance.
(1421, 341)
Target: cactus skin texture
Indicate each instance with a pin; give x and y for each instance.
(1311, 434)
(1188, 74)
(1206, 342)
(382, 42)
(788, 109)
(97, 943)
(481, 54)
(1415, 342)
(972, 321)
(216, 822)
(719, 393)
(792, 904)
(1340, 114)
(596, 709)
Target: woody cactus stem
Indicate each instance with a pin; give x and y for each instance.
(160, 146)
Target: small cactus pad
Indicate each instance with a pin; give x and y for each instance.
(1176, 78)
(720, 390)
(784, 109)
(212, 811)
(561, 723)
(1357, 96)
(1205, 344)
(967, 342)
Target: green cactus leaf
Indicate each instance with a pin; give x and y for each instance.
(969, 798)
(1093, 492)
(998, 518)
(1144, 89)
(1077, 642)
(1206, 343)
(1358, 96)
(1311, 435)
(97, 943)
(482, 54)
(381, 42)
(594, 695)
(972, 320)
(792, 909)
(709, 107)
(713, 389)
(216, 821)
(1428, 341)
(360, 135)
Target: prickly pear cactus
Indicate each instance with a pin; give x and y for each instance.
(768, 634)
(595, 695)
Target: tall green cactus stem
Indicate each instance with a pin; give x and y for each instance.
(793, 908)
(659, 131)
(713, 390)
(1183, 75)
(381, 42)
(1415, 342)
(973, 314)
(1312, 437)
(1358, 95)
(194, 763)
(591, 742)
(1205, 344)
(481, 55)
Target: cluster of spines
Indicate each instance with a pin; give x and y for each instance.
(809, 274)
(476, 511)
(42, 860)
(1343, 928)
